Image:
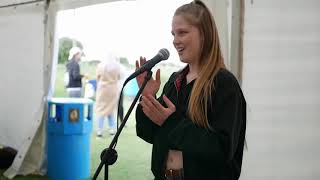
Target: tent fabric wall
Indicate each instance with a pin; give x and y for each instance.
(21, 73)
(219, 10)
(9, 2)
(27, 36)
(281, 84)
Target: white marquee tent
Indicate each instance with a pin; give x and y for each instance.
(271, 46)
(27, 49)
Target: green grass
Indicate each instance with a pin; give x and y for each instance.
(134, 155)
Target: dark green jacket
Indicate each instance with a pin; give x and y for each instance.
(207, 154)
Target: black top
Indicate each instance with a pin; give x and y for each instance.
(207, 154)
(74, 74)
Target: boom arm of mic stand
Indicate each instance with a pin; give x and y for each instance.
(109, 155)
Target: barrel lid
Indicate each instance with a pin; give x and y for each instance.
(71, 100)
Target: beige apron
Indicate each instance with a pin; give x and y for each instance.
(107, 93)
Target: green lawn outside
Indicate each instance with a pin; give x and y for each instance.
(134, 155)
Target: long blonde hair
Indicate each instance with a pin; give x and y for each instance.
(211, 60)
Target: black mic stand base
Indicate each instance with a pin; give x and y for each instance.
(111, 157)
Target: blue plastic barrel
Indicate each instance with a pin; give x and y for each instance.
(68, 138)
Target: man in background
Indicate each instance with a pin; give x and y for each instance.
(74, 85)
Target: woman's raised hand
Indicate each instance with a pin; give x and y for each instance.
(156, 111)
(153, 85)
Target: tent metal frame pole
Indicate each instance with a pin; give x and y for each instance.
(22, 3)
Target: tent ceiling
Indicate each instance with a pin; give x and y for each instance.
(5, 3)
(70, 4)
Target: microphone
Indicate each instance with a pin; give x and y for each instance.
(163, 54)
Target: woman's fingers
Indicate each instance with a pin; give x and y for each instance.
(142, 60)
(163, 110)
(158, 76)
(146, 103)
(149, 108)
(155, 103)
(137, 65)
(155, 110)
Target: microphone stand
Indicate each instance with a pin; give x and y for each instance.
(109, 155)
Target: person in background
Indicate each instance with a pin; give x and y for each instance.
(107, 94)
(197, 126)
(74, 85)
